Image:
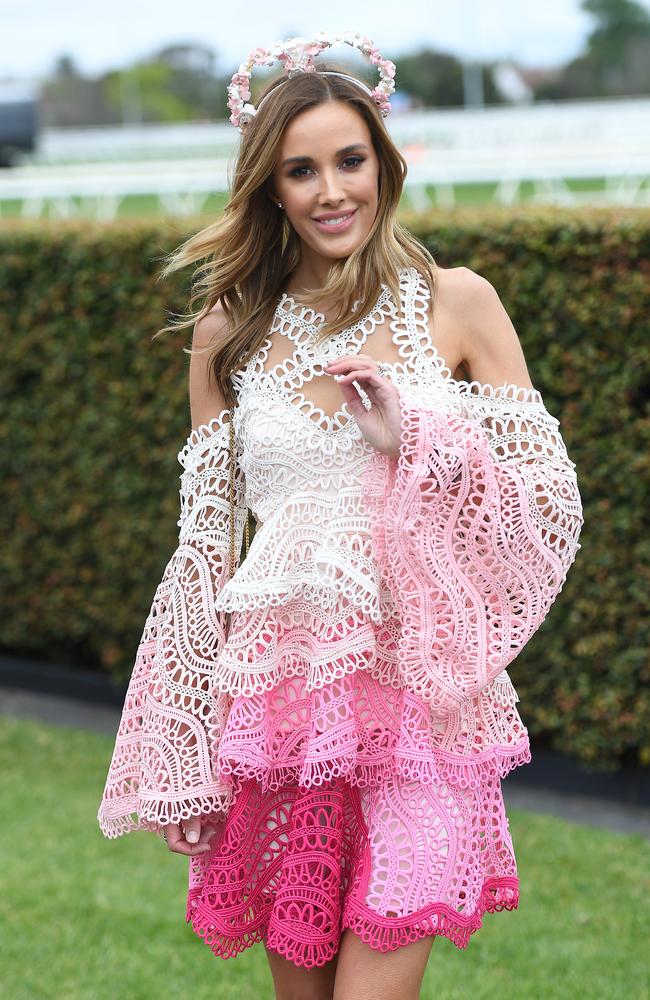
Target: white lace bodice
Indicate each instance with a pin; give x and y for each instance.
(302, 465)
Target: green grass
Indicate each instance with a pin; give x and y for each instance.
(85, 917)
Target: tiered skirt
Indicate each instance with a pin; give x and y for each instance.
(352, 806)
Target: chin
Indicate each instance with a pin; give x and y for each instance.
(339, 252)
(338, 248)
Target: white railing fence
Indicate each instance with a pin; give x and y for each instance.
(89, 172)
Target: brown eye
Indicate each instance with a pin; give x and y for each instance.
(356, 160)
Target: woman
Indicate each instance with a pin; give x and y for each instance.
(323, 730)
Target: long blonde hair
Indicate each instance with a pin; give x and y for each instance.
(251, 249)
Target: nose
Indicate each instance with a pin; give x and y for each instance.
(331, 188)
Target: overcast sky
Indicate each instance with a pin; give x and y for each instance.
(99, 36)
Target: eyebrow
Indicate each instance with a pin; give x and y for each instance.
(309, 159)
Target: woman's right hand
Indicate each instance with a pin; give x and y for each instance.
(189, 837)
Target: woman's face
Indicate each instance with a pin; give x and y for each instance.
(332, 171)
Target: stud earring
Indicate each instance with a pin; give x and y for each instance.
(279, 204)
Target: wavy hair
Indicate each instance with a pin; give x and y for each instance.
(250, 250)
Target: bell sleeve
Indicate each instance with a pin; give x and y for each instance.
(475, 525)
(161, 769)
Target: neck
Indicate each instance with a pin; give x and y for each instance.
(311, 272)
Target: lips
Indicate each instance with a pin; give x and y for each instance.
(333, 215)
(347, 219)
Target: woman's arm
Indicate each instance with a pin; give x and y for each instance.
(206, 399)
(476, 521)
(489, 344)
(161, 771)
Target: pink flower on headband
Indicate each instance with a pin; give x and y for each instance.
(301, 55)
(298, 54)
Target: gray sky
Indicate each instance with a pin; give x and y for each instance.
(33, 33)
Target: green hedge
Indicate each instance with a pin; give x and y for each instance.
(94, 411)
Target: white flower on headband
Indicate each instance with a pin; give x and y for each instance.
(298, 54)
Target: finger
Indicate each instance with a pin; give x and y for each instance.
(190, 850)
(177, 843)
(192, 826)
(174, 835)
(208, 833)
(345, 366)
(357, 373)
(372, 385)
(351, 359)
(339, 365)
(378, 390)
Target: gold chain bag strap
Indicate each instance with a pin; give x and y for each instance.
(233, 554)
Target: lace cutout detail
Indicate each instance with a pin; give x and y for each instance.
(298, 380)
(474, 532)
(161, 768)
(295, 867)
(414, 338)
(367, 731)
(303, 466)
(302, 372)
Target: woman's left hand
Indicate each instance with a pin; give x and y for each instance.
(380, 425)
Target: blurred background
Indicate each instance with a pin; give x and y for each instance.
(115, 110)
(526, 128)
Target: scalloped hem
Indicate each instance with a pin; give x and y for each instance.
(130, 815)
(473, 771)
(126, 814)
(297, 867)
(310, 587)
(469, 772)
(308, 657)
(437, 920)
(382, 934)
(363, 729)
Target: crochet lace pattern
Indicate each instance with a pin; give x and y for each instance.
(476, 525)
(359, 708)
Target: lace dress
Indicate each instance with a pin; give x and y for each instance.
(348, 733)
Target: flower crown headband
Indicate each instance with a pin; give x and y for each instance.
(298, 56)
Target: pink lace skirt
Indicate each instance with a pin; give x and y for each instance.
(295, 867)
(353, 806)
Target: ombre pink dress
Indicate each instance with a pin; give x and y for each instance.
(347, 734)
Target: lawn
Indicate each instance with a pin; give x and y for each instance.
(85, 917)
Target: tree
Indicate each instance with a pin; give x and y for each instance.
(620, 23)
(435, 79)
(617, 57)
(68, 98)
(176, 83)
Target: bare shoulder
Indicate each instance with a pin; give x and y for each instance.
(457, 299)
(210, 327)
(206, 398)
(484, 338)
(463, 292)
